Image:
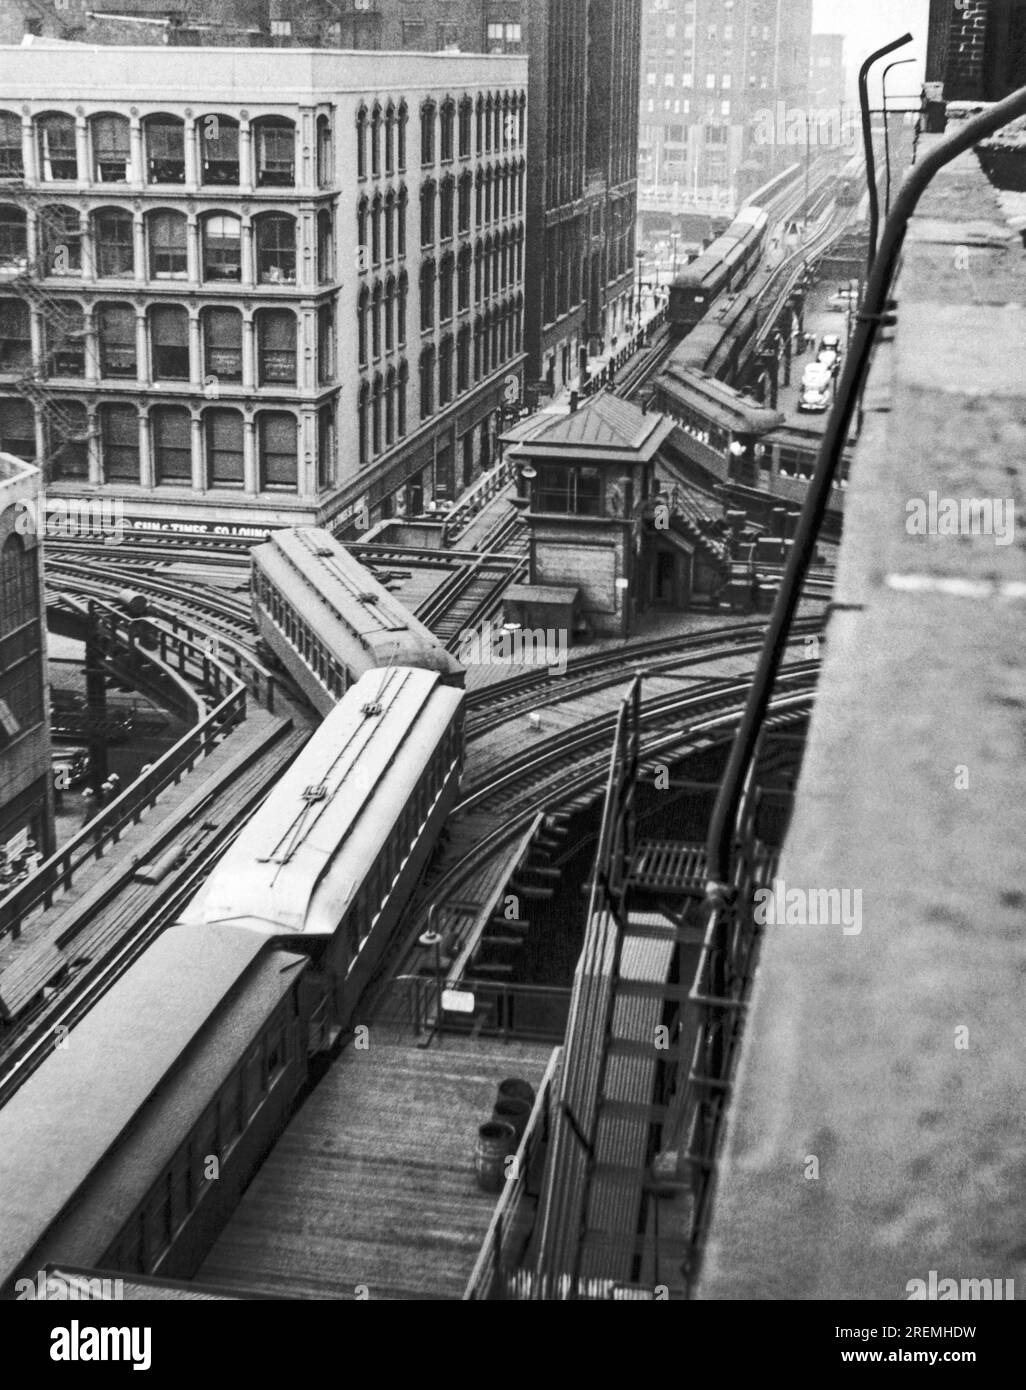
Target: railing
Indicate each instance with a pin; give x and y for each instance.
(261, 682)
(413, 1007)
(506, 1236)
(605, 377)
(475, 499)
(116, 631)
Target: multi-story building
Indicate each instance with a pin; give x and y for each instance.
(712, 74)
(977, 48)
(828, 76)
(26, 787)
(257, 286)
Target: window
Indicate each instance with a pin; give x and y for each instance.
(448, 122)
(278, 457)
(116, 328)
(401, 223)
(400, 399)
(219, 150)
(375, 141)
(445, 279)
(276, 336)
(325, 446)
(69, 441)
(15, 335)
(376, 321)
(565, 490)
(389, 306)
(276, 249)
(13, 238)
(222, 247)
(400, 317)
(361, 143)
(325, 248)
(445, 371)
(389, 226)
(325, 153)
(427, 295)
(64, 338)
(427, 133)
(169, 340)
(276, 153)
(112, 150)
(390, 138)
(465, 195)
(375, 230)
(222, 338)
(171, 427)
(17, 437)
(362, 311)
(58, 157)
(168, 259)
(363, 440)
(119, 443)
(466, 118)
(165, 149)
(446, 203)
(114, 245)
(404, 117)
(463, 361)
(463, 279)
(427, 214)
(390, 382)
(325, 345)
(223, 430)
(377, 392)
(60, 241)
(427, 382)
(11, 165)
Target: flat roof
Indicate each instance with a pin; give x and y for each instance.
(109, 1108)
(300, 861)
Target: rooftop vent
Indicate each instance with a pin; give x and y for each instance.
(372, 707)
(317, 792)
(367, 598)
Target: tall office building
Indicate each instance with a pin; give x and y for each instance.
(284, 288)
(977, 48)
(828, 75)
(713, 74)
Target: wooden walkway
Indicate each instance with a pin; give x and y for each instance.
(371, 1191)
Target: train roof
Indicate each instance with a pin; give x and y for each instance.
(710, 262)
(300, 861)
(329, 585)
(717, 402)
(750, 216)
(83, 1139)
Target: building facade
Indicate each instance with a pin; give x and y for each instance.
(828, 75)
(711, 71)
(286, 287)
(26, 785)
(977, 48)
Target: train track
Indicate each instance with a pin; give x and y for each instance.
(492, 705)
(472, 594)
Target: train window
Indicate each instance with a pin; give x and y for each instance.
(277, 1052)
(157, 1222)
(232, 1110)
(181, 1188)
(206, 1144)
(254, 1074)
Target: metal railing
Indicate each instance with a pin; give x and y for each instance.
(174, 658)
(476, 498)
(412, 1007)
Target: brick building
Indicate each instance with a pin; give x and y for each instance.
(26, 788)
(259, 286)
(977, 48)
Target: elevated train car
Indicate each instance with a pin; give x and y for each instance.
(328, 863)
(719, 342)
(329, 621)
(851, 182)
(723, 266)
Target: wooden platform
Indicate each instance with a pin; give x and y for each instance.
(372, 1185)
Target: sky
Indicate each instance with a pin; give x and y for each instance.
(869, 24)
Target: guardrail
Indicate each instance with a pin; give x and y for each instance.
(261, 682)
(475, 499)
(605, 377)
(510, 1226)
(174, 659)
(535, 1013)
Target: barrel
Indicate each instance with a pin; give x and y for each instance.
(495, 1140)
(513, 1088)
(512, 1112)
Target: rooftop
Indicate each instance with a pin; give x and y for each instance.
(600, 428)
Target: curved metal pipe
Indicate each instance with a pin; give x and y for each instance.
(871, 318)
(867, 141)
(887, 128)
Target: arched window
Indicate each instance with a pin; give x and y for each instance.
(219, 150)
(488, 267)
(390, 138)
(445, 350)
(115, 326)
(479, 264)
(402, 386)
(463, 360)
(427, 213)
(11, 161)
(463, 279)
(428, 112)
(465, 196)
(325, 248)
(427, 295)
(19, 585)
(479, 214)
(362, 243)
(114, 244)
(364, 423)
(448, 122)
(478, 348)
(58, 152)
(275, 143)
(59, 233)
(325, 345)
(402, 295)
(276, 347)
(275, 248)
(375, 141)
(279, 459)
(112, 148)
(222, 341)
(375, 222)
(362, 310)
(390, 385)
(465, 121)
(446, 207)
(169, 342)
(390, 225)
(222, 247)
(401, 223)
(166, 235)
(480, 124)
(119, 443)
(325, 153)
(171, 431)
(361, 143)
(325, 445)
(377, 403)
(427, 382)
(164, 141)
(390, 314)
(404, 117)
(446, 272)
(376, 320)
